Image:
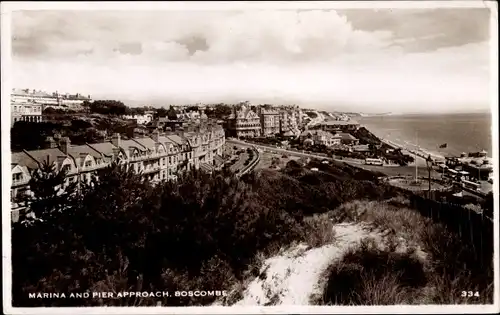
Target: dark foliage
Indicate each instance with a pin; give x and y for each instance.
(350, 281)
(161, 112)
(32, 135)
(171, 113)
(119, 233)
(108, 107)
(219, 111)
(365, 136)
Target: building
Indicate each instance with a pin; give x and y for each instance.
(346, 138)
(361, 148)
(31, 112)
(54, 100)
(269, 121)
(195, 115)
(289, 123)
(162, 156)
(140, 119)
(334, 125)
(318, 137)
(478, 165)
(243, 123)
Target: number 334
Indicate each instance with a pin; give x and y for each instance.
(470, 293)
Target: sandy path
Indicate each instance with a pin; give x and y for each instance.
(295, 277)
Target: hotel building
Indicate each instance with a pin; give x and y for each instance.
(289, 123)
(244, 123)
(28, 105)
(269, 121)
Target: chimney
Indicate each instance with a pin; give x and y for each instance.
(116, 152)
(156, 135)
(50, 143)
(65, 144)
(115, 140)
(180, 132)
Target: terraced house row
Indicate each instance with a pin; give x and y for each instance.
(158, 157)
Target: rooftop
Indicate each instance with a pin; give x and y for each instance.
(105, 148)
(50, 155)
(75, 151)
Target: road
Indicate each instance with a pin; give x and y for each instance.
(284, 151)
(240, 163)
(388, 170)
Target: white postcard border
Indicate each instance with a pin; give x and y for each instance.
(6, 8)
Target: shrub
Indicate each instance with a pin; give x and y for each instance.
(456, 261)
(218, 221)
(319, 230)
(367, 275)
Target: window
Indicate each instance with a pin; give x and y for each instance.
(88, 163)
(17, 177)
(66, 168)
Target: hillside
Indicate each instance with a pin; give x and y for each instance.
(253, 235)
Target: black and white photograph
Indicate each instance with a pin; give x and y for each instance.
(250, 157)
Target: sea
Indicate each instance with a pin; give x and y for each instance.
(462, 133)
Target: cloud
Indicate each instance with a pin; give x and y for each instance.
(308, 57)
(216, 37)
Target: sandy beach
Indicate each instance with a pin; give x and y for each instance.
(428, 133)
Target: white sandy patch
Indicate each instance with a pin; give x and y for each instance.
(295, 277)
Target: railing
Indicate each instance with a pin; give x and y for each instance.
(151, 169)
(93, 167)
(147, 157)
(252, 164)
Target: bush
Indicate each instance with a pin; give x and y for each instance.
(456, 262)
(367, 275)
(320, 230)
(216, 219)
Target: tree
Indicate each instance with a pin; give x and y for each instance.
(171, 113)
(108, 107)
(192, 109)
(120, 233)
(219, 111)
(161, 112)
(50, 191)
(31, 136)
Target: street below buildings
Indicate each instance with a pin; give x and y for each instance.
(388, 170)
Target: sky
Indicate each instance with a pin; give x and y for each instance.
(364, 60)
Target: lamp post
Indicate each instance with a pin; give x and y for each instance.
(428, 161)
